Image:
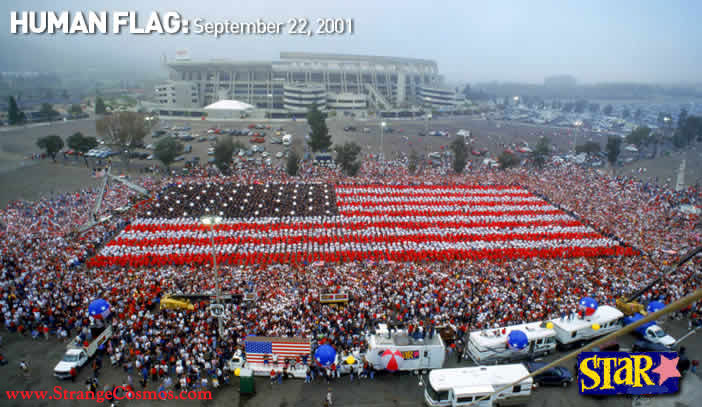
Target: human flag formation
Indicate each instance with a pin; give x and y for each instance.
(307, 223)
(257, 347)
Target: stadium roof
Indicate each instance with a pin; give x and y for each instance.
(229, 105)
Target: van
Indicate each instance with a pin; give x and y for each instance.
(463, 386)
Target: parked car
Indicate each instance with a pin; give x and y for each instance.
(279, 154)
(188, 148)
(180, 158)
(555, 376)
(349, 128)
(257, 140)
(201, 139)
(265, 154)
(276, 140)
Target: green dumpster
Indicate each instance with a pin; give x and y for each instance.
(246, 382)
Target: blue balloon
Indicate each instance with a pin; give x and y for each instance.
(587, 302)
(636, 317)
(325, 355)
(517, 340)
(99, 308)
(655, 306)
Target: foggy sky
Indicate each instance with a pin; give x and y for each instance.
(473, 41)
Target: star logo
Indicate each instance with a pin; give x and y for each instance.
(667, 369)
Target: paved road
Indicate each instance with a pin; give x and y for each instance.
(400, 390)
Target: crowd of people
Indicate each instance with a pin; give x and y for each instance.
(46, 285)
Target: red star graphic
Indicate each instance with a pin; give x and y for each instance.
(667, 369)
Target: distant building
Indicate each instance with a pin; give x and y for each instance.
(340, 81)
(177, 93)
(560, 82)
(437, 98)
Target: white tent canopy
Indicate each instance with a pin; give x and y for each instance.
(231, 105)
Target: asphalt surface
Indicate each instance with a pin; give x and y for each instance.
(41, 177)
(386, 390)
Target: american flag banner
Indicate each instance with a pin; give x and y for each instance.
(257, 347)
(309, 223)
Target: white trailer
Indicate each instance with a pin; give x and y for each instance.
(421, 354)
(463, 386)
(490, 345)
(573, 330)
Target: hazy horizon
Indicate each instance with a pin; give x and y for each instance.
(596, 42)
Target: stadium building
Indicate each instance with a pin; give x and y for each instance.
(299, 80)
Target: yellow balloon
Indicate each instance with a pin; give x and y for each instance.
(350, 360)
(237, 372)
(549, 325)
(596, 327)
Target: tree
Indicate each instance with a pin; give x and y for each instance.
(412, 161)
(51, 144)
(223, 151)
(14, 114)
(99, 106)
(607, 110)
(293, 163)
(637, 114)
(682, 118)
(580, 106)
(541, 152)
(347, 157)
(76, 109)
(613, 148)
(626, 113)
(48, 112)
(320, 140)
(640, 136)
(64, 94)
(589, 148)
(80, 143)
(460, 154)
(167, 149)
(507, 160)
(594, 107)
(690, 131)
(125, 130)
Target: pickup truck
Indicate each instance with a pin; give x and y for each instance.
(650, 332)
(78, 353)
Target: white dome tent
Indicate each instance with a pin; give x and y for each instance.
(227, 109)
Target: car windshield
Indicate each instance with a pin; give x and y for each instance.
(659, 333)
(70, 358)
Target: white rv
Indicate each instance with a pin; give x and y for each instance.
(417, 354)
(463, 386)
(490, 345)
(572, 330)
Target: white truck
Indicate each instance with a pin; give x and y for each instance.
(287, 139)
(261, 363)
(656, 334)
(464, 386)
(417, 354)
(490, 345)
(78, 353)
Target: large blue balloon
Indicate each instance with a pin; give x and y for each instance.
(588, 302)
(655, 306)
(517, 340)
(99, 309)
(636, 317)
(325, 355)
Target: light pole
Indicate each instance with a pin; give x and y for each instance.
(382, 146)
(426, 124)
(270, 106)
(217, 309)
(578, 125)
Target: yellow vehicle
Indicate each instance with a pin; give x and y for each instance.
(167, 302)
(630, 308)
